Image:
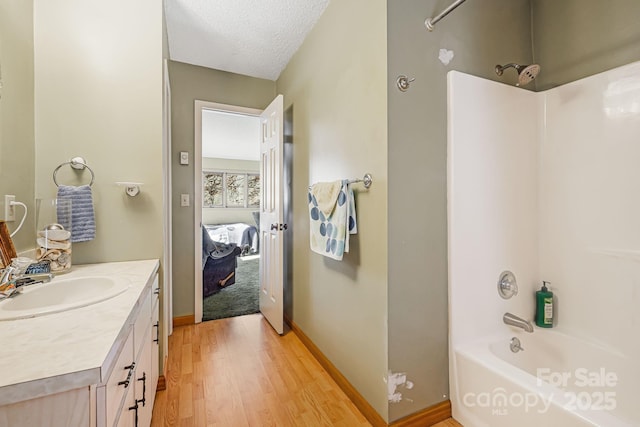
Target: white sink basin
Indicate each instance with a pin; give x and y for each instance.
(61, 295)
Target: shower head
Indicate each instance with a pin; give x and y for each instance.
(526, 73)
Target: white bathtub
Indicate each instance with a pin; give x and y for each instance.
(558, 381)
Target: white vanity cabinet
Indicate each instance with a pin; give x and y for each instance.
(138, 404)
(110, 396)
(85, 367)
(131, 403)
(95, 366)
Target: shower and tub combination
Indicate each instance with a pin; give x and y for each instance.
(546, 186)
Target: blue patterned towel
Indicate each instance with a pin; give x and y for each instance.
(83, 223)
(329, 235)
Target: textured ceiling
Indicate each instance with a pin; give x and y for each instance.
(251, 37)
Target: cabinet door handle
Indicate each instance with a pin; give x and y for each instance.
(156, 291)
(157, 326)
(135, 408)
(144, 389)
(126, 382)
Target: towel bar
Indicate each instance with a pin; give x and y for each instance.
(367, 179)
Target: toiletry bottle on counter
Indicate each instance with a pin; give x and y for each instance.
(544, 307)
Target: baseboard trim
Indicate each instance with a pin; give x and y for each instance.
(427, 417)
(360, 402)
(184, 320)
(287, 320)
(162, 383)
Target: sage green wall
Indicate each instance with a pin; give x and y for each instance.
(229, 215)
(17, 140)
(336, 86)
(481, 34)
(98, 78)
(190, 83)
(578, 38)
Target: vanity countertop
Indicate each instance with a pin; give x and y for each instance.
(71, 349)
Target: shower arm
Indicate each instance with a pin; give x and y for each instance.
(430, 22)
(500, 68)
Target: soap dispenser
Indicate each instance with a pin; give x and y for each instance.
(544, 307)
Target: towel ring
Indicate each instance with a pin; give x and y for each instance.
(76, 163)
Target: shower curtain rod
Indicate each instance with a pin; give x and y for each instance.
(430, 22)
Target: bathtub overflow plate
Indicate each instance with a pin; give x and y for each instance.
(515, 345)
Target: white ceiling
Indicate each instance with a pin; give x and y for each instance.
(230, 136)
(252, 37)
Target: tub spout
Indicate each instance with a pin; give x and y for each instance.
(518, 322)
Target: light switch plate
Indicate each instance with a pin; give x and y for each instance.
(184, 157)
(184, 200)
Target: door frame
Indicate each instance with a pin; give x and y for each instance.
(167, 215)
(200, 106)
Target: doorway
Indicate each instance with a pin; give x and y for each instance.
(272, 226)
(227, 154)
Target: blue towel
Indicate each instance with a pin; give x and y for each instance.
(329, 236)
(83, 223)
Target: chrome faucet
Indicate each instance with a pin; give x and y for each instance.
(32, 279)
(6, 274)
(518, 322)
(11, 281)
(11, 274)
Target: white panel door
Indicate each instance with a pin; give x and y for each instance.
(272, 214)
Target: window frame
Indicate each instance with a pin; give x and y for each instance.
(224, 173)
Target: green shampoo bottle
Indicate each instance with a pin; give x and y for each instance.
(544, 307)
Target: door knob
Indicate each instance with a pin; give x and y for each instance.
(274, 226)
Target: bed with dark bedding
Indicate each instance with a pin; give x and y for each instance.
(219, 261)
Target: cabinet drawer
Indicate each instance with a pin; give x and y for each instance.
(120, 381)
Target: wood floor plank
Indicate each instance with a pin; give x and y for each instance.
(238, 372)
(448, 423)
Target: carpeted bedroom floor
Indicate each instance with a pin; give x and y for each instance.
(240, 298)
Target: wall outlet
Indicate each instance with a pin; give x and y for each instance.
(184, 200)
(9, 209)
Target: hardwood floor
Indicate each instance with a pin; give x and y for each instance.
(238, 372)
(448, 423)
